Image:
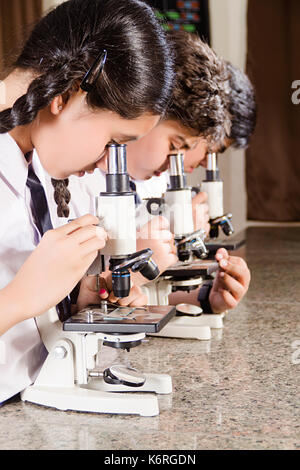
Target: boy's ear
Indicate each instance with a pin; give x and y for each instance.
(56, 105)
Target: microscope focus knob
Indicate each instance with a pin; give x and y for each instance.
(60, 352)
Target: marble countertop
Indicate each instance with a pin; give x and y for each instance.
(238, 391)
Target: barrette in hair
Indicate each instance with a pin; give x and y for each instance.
(94, 72)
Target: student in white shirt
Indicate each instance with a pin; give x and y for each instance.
(64, 100)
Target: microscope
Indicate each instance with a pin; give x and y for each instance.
(72, 377)
(219, 221)
(192, 269)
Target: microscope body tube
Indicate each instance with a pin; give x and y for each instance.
(116, 206)
(213, 186)
(178, 199)
(116, 213)
(115, 209)
(214, 190)
(179, 204)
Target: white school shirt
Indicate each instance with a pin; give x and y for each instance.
(83, 193)
(83, 201)
(21, 351)
(153, 187)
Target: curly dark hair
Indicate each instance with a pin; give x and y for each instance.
(199, 99)
(138, 73)
(242, 107)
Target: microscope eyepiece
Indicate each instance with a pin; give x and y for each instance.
(177, 174)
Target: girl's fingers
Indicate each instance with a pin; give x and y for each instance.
(90, 282)
(139, 301)
(135, 298)
(112, 298)
(92, 246)
(102, 288)
(106, 275)
(97, 284)
(84, 234)
(83, 221)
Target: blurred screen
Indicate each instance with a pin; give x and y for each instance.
(191, 16)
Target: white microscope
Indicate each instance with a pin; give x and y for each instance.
(219, 221)
(189, 273)
(72, 377)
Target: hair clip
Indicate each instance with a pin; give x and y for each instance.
(94, 72)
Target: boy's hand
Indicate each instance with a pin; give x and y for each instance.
(157, 236)
(201, 212)
(231, 283)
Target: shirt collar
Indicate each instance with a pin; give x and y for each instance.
(13, 165)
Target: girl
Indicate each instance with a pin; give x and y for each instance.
(91, 72)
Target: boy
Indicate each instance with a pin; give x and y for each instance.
(196, 121)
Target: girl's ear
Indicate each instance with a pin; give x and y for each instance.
(56, 105)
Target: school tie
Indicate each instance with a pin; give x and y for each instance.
(43, 222)
(137, 198)
(40, 208)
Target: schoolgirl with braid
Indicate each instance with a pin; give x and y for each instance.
(91, 72)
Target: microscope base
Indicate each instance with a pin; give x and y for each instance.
(214, 321)
(157, 383)
(56, 386)
(81, 399)
(186, 327)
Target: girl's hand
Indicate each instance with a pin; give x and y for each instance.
(136, 297)
(92, 292)
(157, 236)
(57, 264)
(231, 283)
(93, 289)
(201, 212)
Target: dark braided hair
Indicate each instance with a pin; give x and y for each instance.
(62, 196)
(138, 73)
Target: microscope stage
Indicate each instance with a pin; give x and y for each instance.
(203, 268)
(150, 319)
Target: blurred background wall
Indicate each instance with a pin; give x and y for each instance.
(16, 17)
